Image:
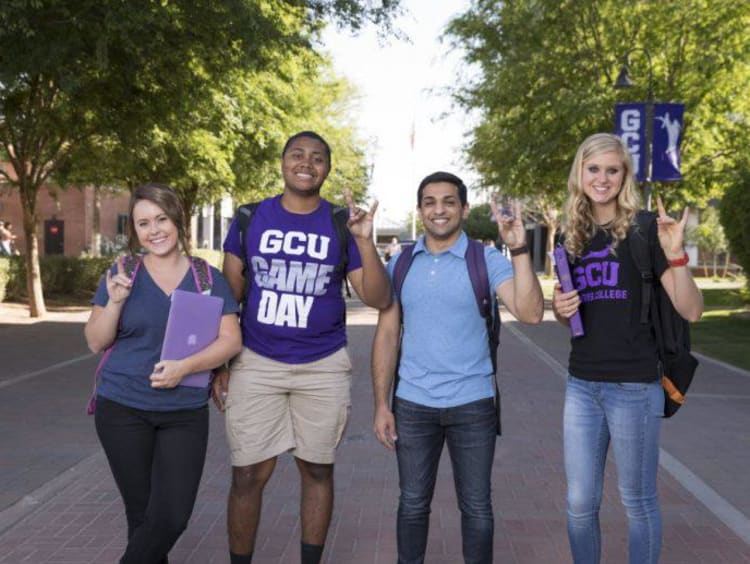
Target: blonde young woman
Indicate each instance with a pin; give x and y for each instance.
(154, 431)
(613, 393)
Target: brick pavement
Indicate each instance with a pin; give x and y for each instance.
(79, 518)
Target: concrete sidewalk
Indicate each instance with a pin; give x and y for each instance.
(76, 516)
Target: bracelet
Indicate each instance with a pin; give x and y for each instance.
(682, 261)
(522, 250)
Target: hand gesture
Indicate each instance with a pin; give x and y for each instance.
(360, 221)
(511, 228)
(671, 232)
(167, 374)
(565, 305)
(220, 387)
(118, 285)
(385, 428)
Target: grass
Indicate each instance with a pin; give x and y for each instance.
(724, 334)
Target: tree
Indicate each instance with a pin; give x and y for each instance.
(541, 81)
(480, 224)
(76, 71)
(710, 239)
(735, 216)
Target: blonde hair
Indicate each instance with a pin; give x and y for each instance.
(579, 225)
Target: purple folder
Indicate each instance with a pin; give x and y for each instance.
(566, 283)
(193, 324)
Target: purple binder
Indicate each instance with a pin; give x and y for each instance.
(566, 282)
(193, 324)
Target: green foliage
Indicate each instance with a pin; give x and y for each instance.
(4, 276)
(735, 217)
(542, 74)
(479, 225)
(109, 92)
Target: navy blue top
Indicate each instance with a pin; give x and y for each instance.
(143, 321)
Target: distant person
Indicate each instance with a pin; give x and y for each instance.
(7, 238)
(446, 382)
(392, 249)
(154, 431)
(614, 392)
(290, 388)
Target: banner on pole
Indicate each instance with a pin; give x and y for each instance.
(666, 144)
(630, 126)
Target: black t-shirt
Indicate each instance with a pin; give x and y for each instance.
(616, 346)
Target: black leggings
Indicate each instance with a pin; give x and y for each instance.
(157, 460)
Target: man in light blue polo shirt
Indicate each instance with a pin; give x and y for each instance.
(445, 389)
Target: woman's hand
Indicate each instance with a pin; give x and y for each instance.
(167, 374)
(118, 285)
(671, 232)
(565, 304)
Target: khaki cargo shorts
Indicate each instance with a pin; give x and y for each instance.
(273, 407)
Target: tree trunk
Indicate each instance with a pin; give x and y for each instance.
(726, 264)
(33, 272)
(716, 273)
(96, 223)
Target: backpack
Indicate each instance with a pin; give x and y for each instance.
(676, 365)
(339, 217)
(486, 302)
(130, 265)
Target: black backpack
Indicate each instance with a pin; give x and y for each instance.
(486, 302)
(676, 365)
(339, 217)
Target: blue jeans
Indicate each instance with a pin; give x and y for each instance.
(470, 431)
(629, 416)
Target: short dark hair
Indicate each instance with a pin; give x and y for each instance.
(167, 199)
(311, 135)
(440, 176)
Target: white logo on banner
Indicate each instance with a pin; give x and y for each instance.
(673, 136)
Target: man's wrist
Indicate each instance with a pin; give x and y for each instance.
(517, 251)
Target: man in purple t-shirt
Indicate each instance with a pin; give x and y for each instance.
(289, 389)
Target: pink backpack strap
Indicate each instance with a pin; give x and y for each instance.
(130, 264)
(202, 275)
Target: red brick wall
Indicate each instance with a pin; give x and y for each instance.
(73, 206)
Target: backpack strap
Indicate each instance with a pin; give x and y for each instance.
(202, 275)
(640, 250)
(340, 218)
(130, 265)
(243, 216)
(403, 262)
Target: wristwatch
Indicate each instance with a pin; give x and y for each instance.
(523, 249)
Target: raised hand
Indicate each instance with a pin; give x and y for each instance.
(511, 228)
(118, 285)
(360, 221)
(671, 231)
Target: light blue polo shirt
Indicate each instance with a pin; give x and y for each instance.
(445, 358)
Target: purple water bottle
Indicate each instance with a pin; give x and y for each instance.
(566, 282)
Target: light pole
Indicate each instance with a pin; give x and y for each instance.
(623, 81)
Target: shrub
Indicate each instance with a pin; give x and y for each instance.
(74, 277)
(67, 277)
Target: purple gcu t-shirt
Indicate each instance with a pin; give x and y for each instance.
(295, 310)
